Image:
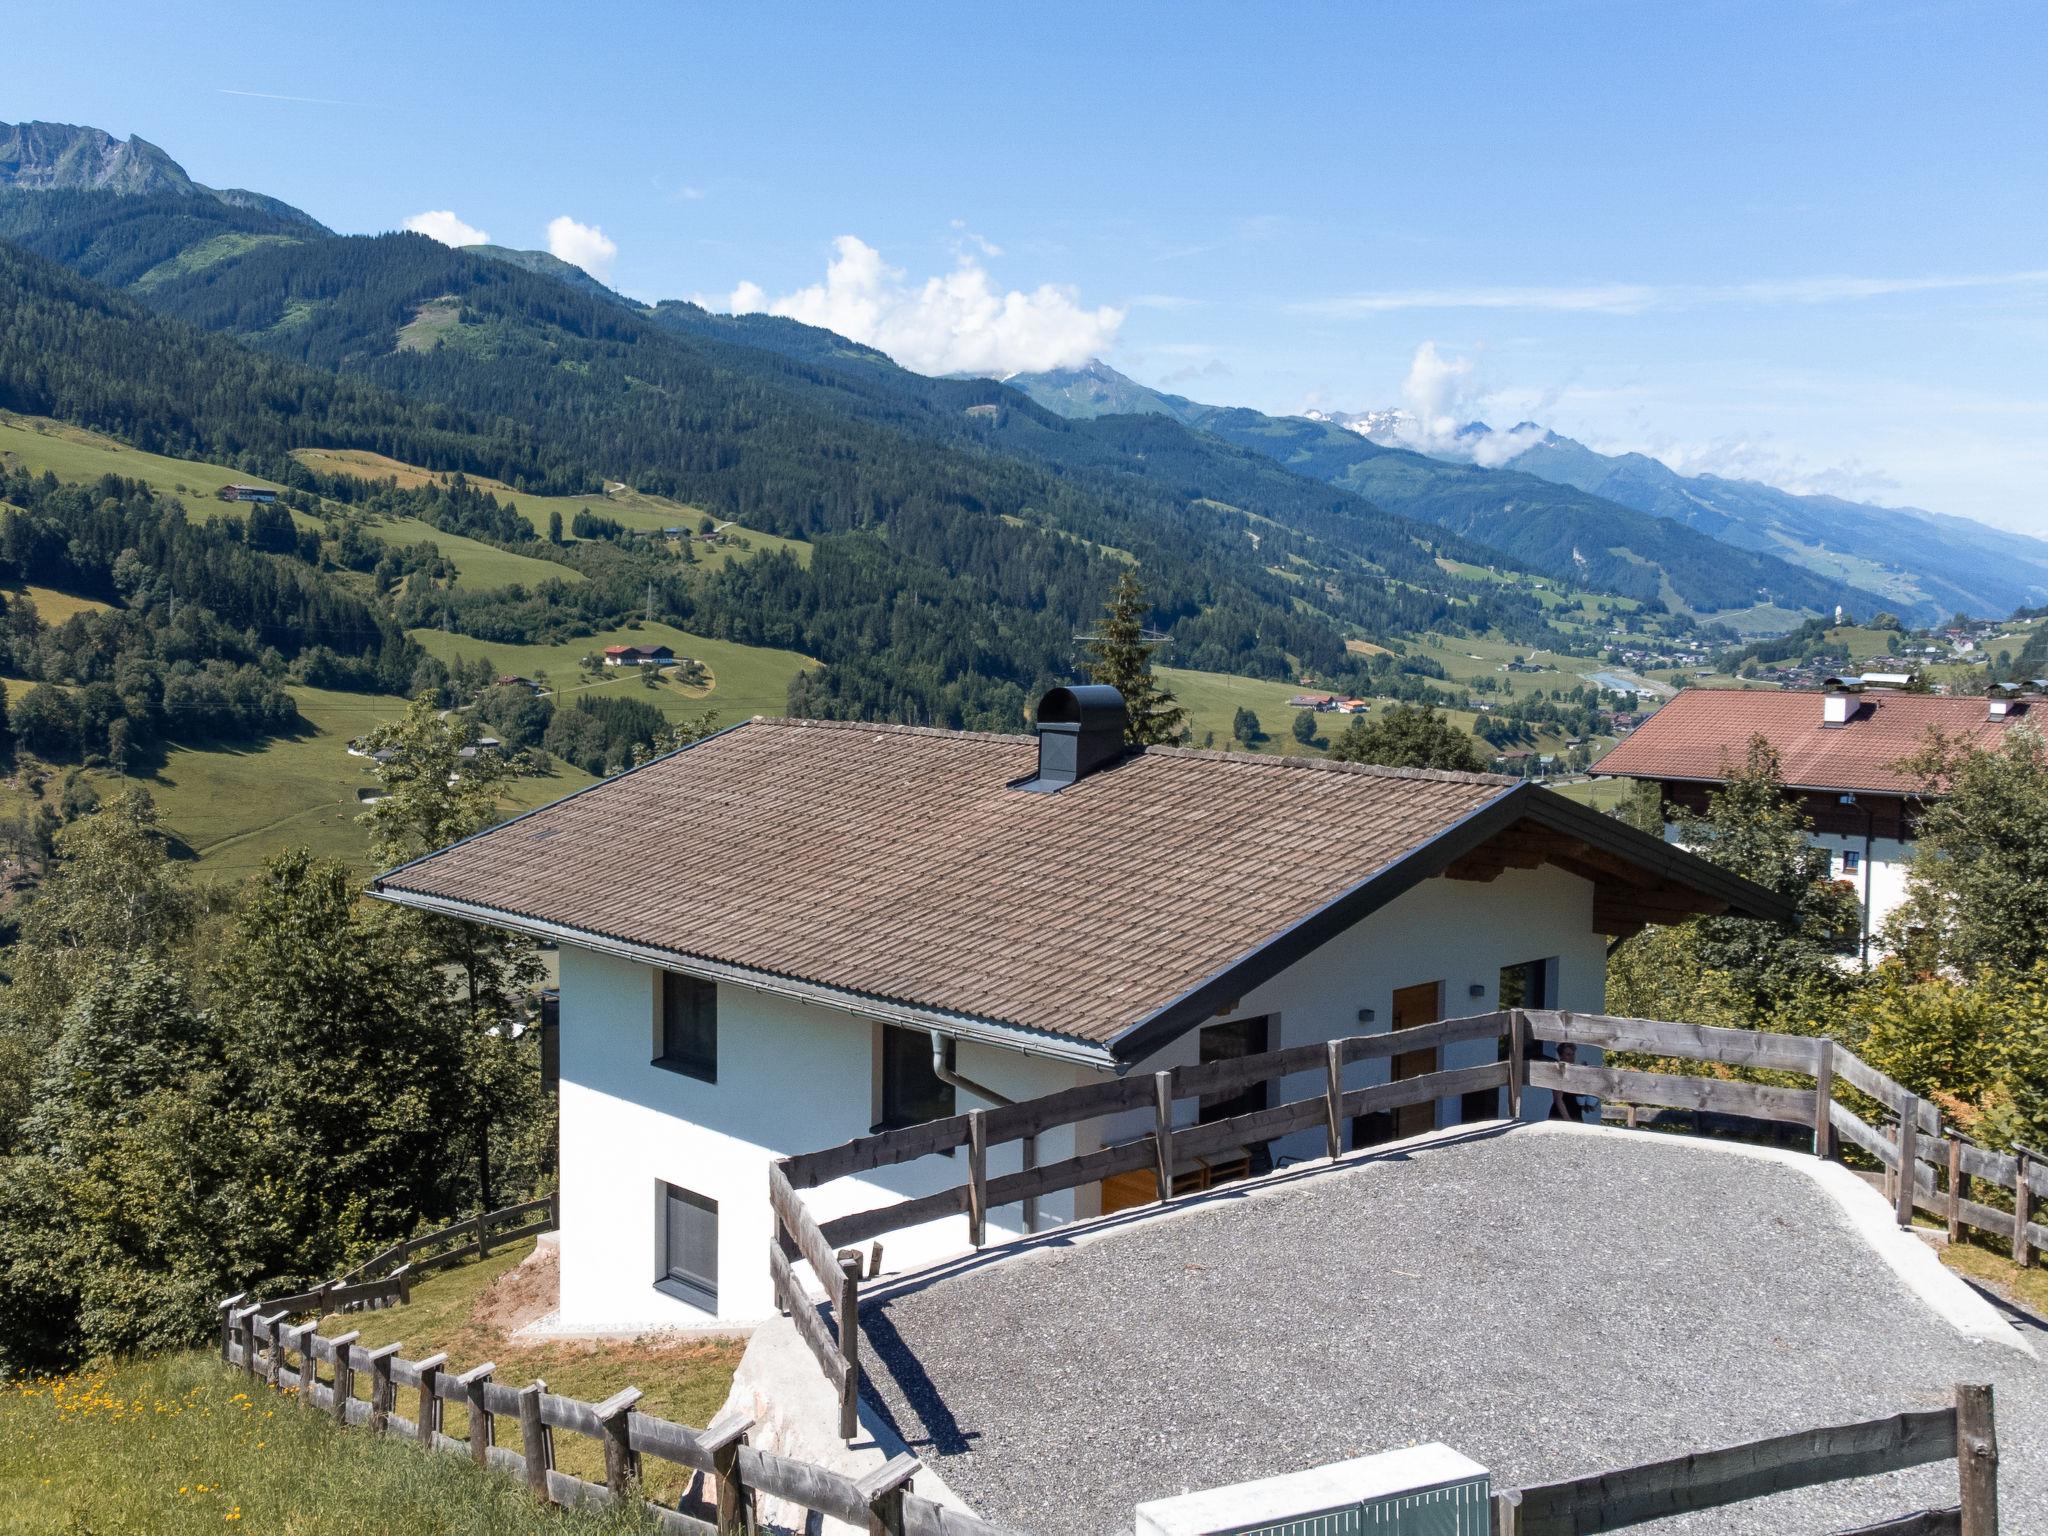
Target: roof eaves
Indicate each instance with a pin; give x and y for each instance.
(1422, 862)
(909, 1015)
(1349, 906)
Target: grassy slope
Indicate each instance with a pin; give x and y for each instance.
(234, 808)
(179, 1445)
(746, 680)
(74, 454)
(684, 1381)
(622, 504)
(182, 1444)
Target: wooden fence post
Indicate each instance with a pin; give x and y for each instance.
(429, 1424)
(883, 1489)
(555, 1209)
(534, 1440)
(1823, 1101)
(381, 1390)
(1518, 1063)
(848, 1307)
(483, 1242)
(2022, 1209)
(245, 1330)
(1977, 1459)
(274, 1326)
(1162, 1132)
(472, 1383)
(1333, 1099)
(977, 1177)
(1507, 1513)
(309, 1366)
(1956, 1176)
(735, 1500)
(403, 1277)
(227, 1326)
(344, 1374)
(1909, 1152)
(621, 1462)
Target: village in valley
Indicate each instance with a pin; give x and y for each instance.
(1145, 796)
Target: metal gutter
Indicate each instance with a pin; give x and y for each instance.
(907, 1015)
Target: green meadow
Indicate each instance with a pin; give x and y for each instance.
(746, 680)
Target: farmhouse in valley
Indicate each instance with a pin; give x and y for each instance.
(637, 655)
(261, 494)
(797, 931)
(1837, 747)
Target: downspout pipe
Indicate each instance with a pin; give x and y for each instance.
(943, 1069)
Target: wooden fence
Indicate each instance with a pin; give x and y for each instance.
(362, 1387)
(1610, 1501)
(1914, 1137)
(371, 1284)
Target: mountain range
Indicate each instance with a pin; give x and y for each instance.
(961, 531)
(1922, 565)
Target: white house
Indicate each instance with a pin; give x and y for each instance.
(796, 931)
(1837, 747)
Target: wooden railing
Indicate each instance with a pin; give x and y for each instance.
(289, 1357)
(1910, 1140)
(1611, 1501)
(376, 1283)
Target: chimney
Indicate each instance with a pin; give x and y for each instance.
(1080, 729)
(1837, 703)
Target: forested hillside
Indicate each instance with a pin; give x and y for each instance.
(962, 536)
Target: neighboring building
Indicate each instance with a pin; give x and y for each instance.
(1836, 746)
(257, 493)
(1315, 701)
(634, 655)
(797, 931)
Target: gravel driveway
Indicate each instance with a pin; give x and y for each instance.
(1550, 1303)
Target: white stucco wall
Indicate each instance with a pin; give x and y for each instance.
(791, 1078)
(1880, 883)
(1457, 932)
(794, 1077)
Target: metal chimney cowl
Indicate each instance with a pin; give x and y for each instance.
(1080, 729)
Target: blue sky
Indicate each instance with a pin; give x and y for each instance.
(1806, 242)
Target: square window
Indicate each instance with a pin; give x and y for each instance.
(689, 1247)
(686, 1025)
(1852, 861)
(911, 1091)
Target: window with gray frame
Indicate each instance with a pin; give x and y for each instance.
(689, 1247)
(686, 1025)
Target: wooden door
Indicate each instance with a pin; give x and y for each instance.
(1419, 1004)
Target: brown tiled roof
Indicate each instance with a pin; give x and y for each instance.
(893, 862)
(1703, 731)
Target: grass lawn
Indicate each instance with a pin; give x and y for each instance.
(1601, 794)
(479, 567)
(1994, 1270)
(746, 680)
(180, 1444)
(1213, 699)
(621, 503)
(54, 606)
(236, 806)
(77, 455)
(684, 1381)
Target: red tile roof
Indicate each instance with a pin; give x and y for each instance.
(1702, 732)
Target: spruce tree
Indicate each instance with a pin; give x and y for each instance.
(1120, 657)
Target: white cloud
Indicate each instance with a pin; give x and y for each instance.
(442, 225)
(958, 323)
(1440, 397)
(982, 243)
(1635, 298)
(583, 245)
